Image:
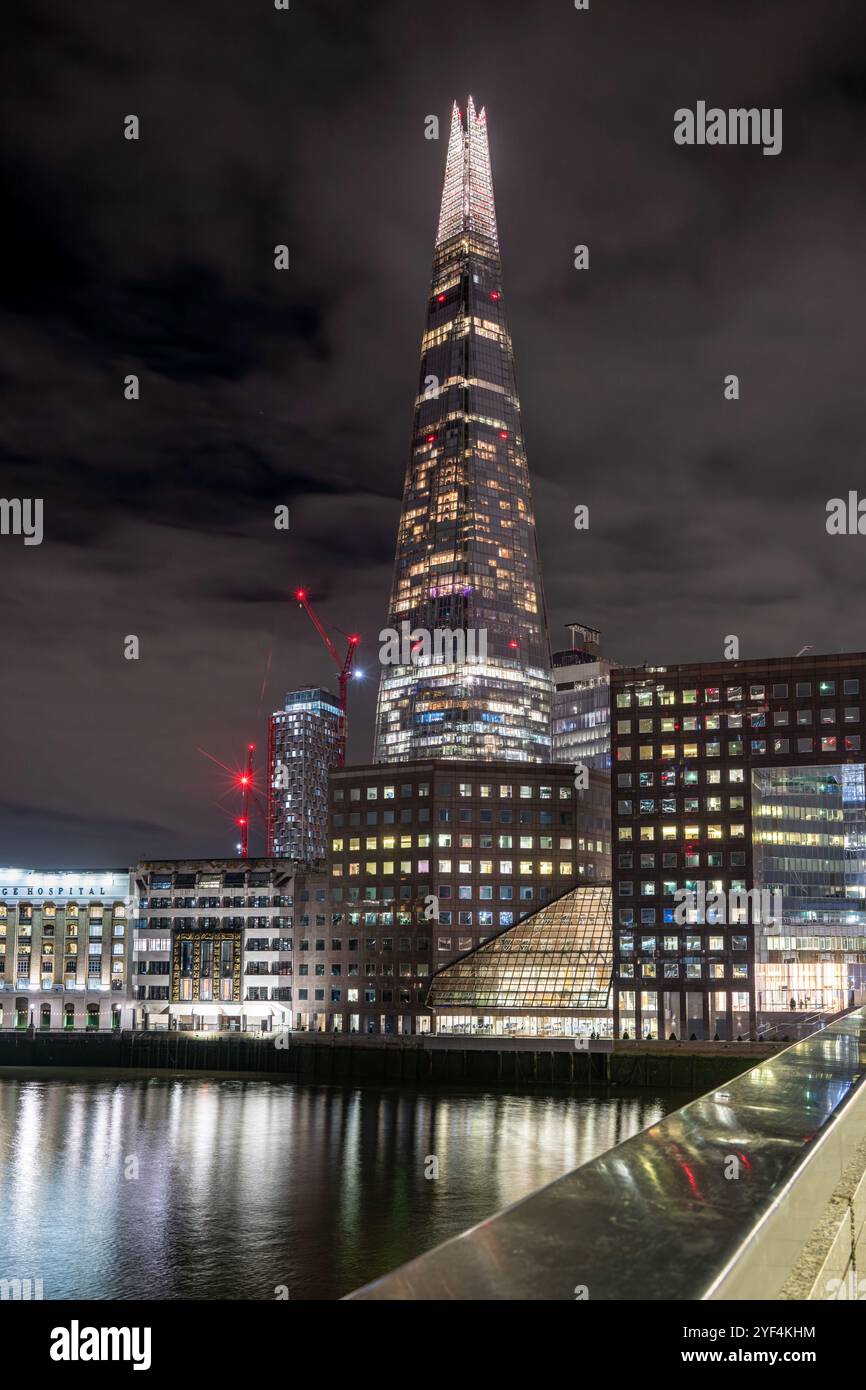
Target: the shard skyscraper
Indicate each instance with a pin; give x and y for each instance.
(471, 676)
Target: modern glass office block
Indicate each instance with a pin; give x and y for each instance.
(809, 846)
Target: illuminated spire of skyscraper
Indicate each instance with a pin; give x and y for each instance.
(467, 562)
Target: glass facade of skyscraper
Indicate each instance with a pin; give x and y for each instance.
(467, 562)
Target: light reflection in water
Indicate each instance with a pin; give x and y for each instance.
(245, 1185)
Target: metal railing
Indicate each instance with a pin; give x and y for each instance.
(716, 1201)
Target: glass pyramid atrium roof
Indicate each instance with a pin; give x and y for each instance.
(559, 957)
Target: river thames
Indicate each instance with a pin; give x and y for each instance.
(131, 1186)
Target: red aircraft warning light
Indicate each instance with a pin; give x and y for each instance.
(245, 781)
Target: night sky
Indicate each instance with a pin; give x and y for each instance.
(258, 127)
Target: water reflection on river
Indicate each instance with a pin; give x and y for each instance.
(242, 1186)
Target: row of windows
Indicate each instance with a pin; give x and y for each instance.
(667, 752)
(689, 970)
(162, 903)
(502, 790)
(711, 694)
(649, 916)
(24, 968)
(678, 943)
(671, 805)
(465, 815)
(405, 968)
(444, 840)
(647, 833)
(24, 931)
(49, 910)
(712, 723)
(525, 893)
(669, 886)
(542, 868)
(691, 777)
(386, 996)
(713, 858)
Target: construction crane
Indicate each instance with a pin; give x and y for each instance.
(344, 668)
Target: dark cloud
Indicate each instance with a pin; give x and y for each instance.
(260, 388)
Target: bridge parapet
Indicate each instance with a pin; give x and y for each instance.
(752, 1191)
